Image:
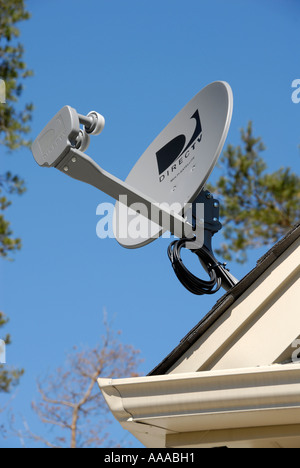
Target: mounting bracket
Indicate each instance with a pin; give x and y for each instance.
(211, 226)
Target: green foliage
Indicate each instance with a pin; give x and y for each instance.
(257, 207)
(14, 122)
(14, 129)
(9, 184)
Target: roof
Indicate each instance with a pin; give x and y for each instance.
(227, 300)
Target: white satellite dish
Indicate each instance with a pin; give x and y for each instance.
(177, 164)
(172, 170)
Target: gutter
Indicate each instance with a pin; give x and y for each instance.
(154, 407)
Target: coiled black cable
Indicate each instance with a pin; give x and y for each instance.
(191, 282)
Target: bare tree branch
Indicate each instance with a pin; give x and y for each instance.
(70, 402)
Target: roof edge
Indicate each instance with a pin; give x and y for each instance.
(227, 300)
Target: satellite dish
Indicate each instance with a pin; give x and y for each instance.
(177, 164)
(170, 174)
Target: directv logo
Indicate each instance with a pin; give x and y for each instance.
(2, 92)
(2, 352)
(177, 151)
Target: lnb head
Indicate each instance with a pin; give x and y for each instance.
(64, 132)
(56, 138)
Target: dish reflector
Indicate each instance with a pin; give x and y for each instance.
(178, 162)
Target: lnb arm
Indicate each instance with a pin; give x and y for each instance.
(62, 144)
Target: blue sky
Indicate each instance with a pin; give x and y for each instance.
(138, 63)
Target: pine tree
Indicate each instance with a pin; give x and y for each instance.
(14, 128)
(257, 207)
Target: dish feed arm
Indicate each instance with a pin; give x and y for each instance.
(62, 143)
